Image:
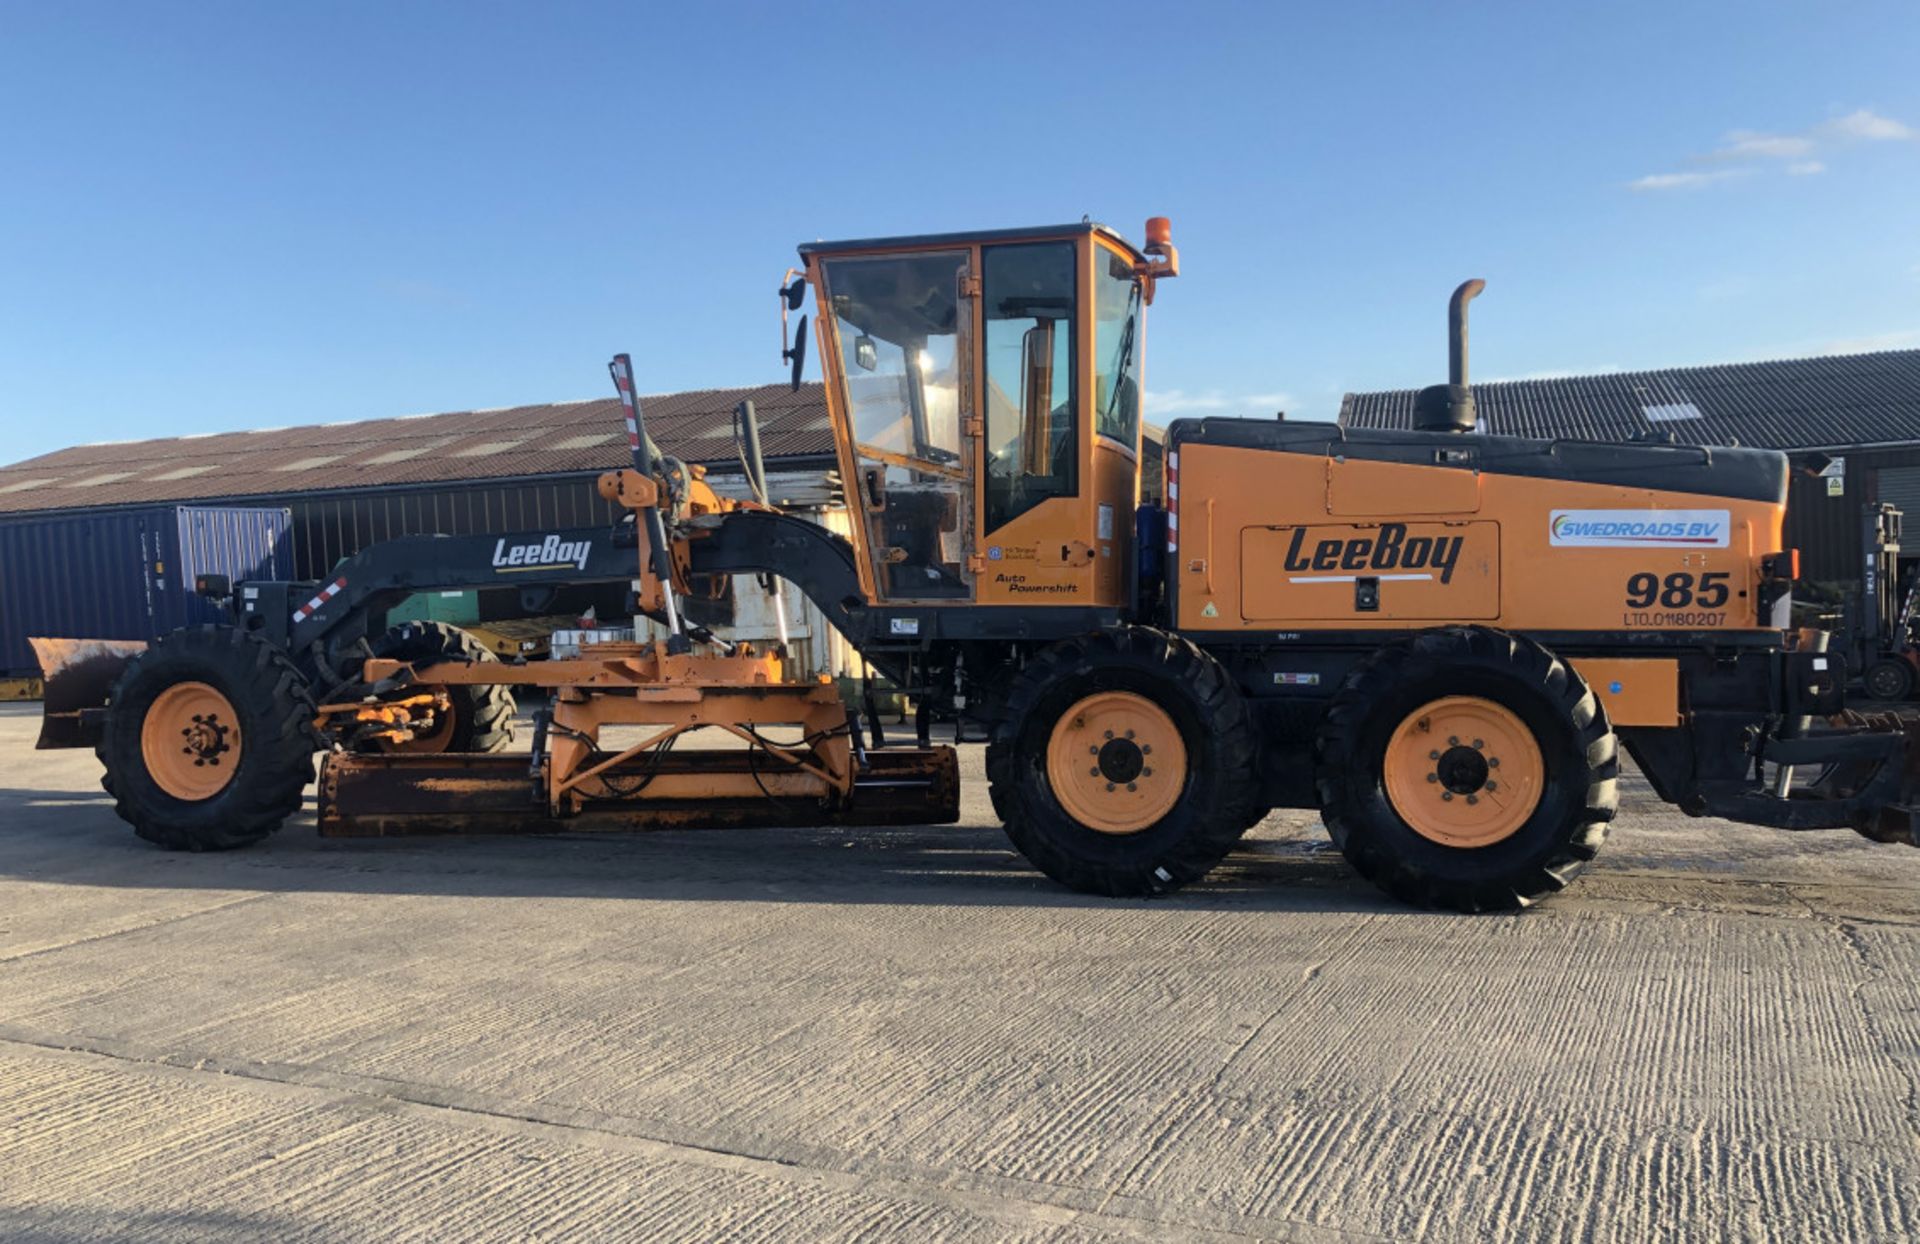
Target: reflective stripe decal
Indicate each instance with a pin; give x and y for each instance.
(326, 594)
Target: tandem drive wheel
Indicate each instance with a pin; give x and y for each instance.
(1466, 768)
(1124, 762)
(209, 740)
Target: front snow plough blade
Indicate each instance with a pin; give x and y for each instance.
(76, 675)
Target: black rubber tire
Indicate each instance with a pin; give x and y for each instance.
(1580, 754)
(275, 715)
(482, 716)
(1213, 809)
(1888, 678)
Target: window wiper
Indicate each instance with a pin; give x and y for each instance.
(1120, 368)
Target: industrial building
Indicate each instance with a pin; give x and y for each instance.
(347, 485)
(1849, 423)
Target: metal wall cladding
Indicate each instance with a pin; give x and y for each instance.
(326, 529)
(126, 574)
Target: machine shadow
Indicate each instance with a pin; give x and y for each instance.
(73, 838)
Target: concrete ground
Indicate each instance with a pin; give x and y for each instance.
(907, 1034)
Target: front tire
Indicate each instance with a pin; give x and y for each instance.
(1466, 768)
(209, 740)
(1123, 763)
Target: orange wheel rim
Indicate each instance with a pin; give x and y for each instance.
(190, 741)
(1464, 772)
(1116, 762)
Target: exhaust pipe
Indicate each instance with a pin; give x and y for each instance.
(1449, 407)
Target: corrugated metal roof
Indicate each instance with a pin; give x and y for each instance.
(558, 438)
(1833, 402)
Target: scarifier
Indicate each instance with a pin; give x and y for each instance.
(1440, 638)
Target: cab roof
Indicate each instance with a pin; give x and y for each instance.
(916, 241)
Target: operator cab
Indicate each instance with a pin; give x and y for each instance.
(985, 396)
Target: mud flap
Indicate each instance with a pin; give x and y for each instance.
(76, 675)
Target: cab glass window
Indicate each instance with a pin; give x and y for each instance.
(898, 323)
(1116, 346)
(1030, 451)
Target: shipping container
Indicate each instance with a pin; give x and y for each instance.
(126, 574)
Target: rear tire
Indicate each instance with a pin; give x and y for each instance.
(1077, 779)
(196, 700)
(1481, 692)
(482, 716)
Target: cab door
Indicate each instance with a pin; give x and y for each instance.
(1033, 451)
(903, 330)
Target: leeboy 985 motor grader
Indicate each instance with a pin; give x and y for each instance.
(1439, 638)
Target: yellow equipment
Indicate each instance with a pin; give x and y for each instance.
(1438, 638)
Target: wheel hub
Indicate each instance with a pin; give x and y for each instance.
(1121, 760)
(1463, 771)
(1116, 762)
(190, 741)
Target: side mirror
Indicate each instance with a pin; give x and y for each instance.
(866, 355)
(792, 292)
(798, 355)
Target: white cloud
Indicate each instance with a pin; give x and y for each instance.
(1163, 403)
(1742, 144)
(1874, 343)
(1684, 181)
(1742, 152)
(1866, 125)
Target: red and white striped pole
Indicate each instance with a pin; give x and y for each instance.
(621, 369)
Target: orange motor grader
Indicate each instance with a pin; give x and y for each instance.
(1440, 639)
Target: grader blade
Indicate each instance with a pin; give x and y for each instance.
(76, 675)
(399, 795)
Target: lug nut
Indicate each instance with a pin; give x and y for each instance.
(1094, 772)
(1433, 755)
(1433, 777)
(1453, 740)
(1109, 734)
(1146, 749)
(1129, 734)
(1447, 795)
(1493, 786)
(1132, 787)
(1146, 773)
(1109, 785)
(1478, 744)
(1473, 799)
(1493, 762)
(1093, 751)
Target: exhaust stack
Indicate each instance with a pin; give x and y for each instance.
(1449, 407)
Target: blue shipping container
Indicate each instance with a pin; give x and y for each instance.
(126, 574)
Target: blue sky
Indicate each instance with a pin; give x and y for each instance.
(218, 216)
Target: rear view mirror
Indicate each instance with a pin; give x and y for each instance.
(866, 355)
(795, 292)
(799, 352)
